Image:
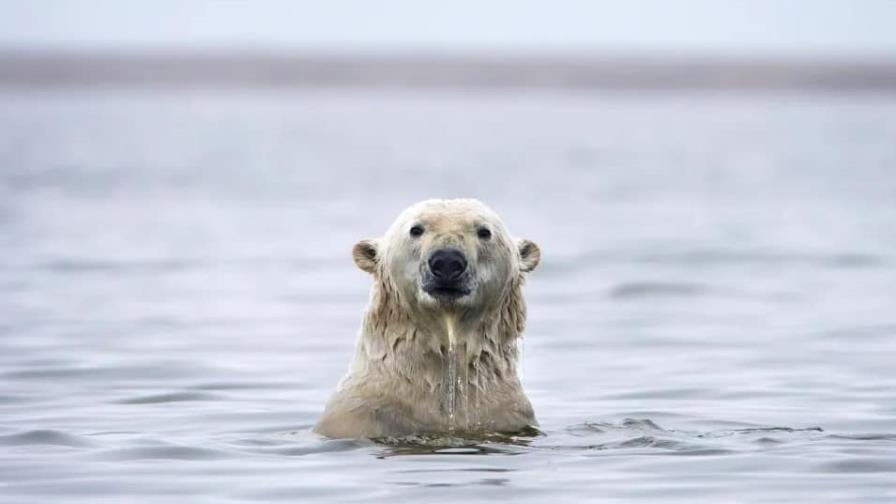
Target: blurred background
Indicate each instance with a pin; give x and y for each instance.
(711, 184)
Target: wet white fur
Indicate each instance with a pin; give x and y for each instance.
(397, 383)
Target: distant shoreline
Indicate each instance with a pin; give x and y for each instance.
(44, 69)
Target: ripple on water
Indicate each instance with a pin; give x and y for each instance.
(861, 465)
(244, 385)
(166, 452)
(758, 431)
(629, 424)
(336, 445)
(82, 266)
(46, 437)
(632, 290)
(868, 332)
(16, 398)
(170, 397)
(645, 434)
(865, 437)
(130, 373)
(292, 441)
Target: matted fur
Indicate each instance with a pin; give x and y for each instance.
(398, 382)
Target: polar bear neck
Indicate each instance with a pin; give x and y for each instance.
(395, 340)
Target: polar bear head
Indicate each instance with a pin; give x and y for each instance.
(447, 256)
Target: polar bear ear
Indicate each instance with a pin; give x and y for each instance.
(366, 254)
(530, 255)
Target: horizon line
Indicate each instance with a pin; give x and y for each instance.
(34, 67)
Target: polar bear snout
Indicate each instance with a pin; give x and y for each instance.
(446, 274)
(447, 265)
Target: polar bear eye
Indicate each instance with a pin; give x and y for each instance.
(416, 231)
(484, 233)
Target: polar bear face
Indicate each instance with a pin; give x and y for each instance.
(443, 255)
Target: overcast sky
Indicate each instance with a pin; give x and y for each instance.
(742, 27)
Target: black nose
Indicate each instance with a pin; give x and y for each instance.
(447, 264)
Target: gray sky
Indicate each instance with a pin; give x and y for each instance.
(742, 27)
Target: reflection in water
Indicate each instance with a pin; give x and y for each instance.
(459, 443)
(602, 436)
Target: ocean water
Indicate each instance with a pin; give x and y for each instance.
(714, 317)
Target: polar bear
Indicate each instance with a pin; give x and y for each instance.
(438, 346)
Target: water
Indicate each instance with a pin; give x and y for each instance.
(713, 317)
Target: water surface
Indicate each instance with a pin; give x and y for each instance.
(713, 318)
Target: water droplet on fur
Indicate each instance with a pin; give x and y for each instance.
(451, 400)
